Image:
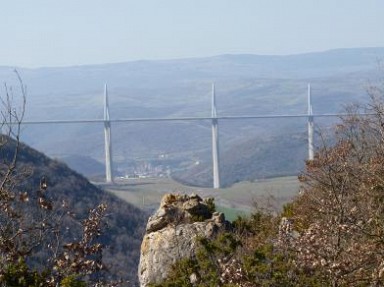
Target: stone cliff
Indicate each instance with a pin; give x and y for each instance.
(172, 231)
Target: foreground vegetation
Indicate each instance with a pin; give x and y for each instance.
(332, 234)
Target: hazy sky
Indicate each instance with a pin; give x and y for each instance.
(38, 33)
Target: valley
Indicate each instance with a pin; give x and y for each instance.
(240, 199)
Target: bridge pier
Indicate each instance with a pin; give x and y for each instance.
(107, 140)
(310, 126)
(215, 142)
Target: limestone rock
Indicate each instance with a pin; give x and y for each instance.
(171, 234)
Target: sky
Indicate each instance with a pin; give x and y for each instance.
(43, 33)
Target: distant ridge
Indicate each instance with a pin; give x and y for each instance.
(360, 53)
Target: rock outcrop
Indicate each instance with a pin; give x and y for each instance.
(172, 231)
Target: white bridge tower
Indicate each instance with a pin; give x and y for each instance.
(215, 142)
(310, 126)
(107, 138)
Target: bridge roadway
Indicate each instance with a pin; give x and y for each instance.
(185, 118)
(214, 118)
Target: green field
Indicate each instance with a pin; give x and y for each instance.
(239, 199)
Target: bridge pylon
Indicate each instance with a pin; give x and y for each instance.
(311, 149)
(215, 142)
(107, 139)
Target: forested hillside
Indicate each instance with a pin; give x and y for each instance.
(64, 198)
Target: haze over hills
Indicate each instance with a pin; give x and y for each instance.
(245, 85)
